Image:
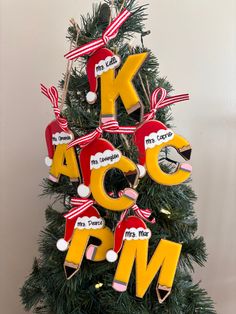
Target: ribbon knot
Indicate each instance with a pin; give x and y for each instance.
(153, 112)
(109, 126)
(158, 100)
(110, 33)
(144, 213)
(105, 39)
(141, 213)
(81, 204)
(52, 94)
(99, 130)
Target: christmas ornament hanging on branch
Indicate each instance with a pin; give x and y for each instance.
(102, 63)
(133, 232)
(96, 159)
(62, 161)
(152, 136)
(82, 222)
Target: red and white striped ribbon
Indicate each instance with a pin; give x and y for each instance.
(80, 204)
(110, 33)
(52, 94)
(159, 100)
(109, 126)
(122, 216)
(141, 213)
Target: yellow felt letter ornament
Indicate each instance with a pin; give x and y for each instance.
(58, 135)
(135, 235)
(96, 159)
(121, 85)
(81, 224)
(65, 163)
(151, 137)
(103, 64)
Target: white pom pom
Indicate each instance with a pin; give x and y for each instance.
(111, 256)
(142, 171)
(91, 97)
(62, 245)
(48, 161)
(83, 190)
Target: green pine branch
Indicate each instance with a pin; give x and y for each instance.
(46, 290)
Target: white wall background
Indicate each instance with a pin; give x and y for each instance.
(195, 43)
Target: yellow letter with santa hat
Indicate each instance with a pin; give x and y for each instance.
(113, 86)
(96, 159)
(64, 162)
(135, 235)
(81, 224)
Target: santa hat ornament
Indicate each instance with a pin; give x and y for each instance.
(146, 137)
(131, 228)
(71, 219)
(101, 61)
(150, 138)
(86, 153)
(142, 134)
(90, 158)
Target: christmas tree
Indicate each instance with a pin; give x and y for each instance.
(161, 203)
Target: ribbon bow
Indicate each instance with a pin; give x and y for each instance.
(140, 212)
(109, 126)
(158, 100)
(52, 94)
(143, 213)
(110, 33)
(80, 204)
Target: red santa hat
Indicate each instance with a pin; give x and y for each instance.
(146, 129)
(96, 146)
(99, 145)
(128, 223)
(53, 129)
(71, 218)
(153, 126)
(100, 55)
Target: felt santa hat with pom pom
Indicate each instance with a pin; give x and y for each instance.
(97, 146)
(99, 62)
(142, 134)
(130, 228)
(90, 158)
(143, 131)
(71, 218)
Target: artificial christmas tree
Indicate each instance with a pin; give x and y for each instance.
(128, 184)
